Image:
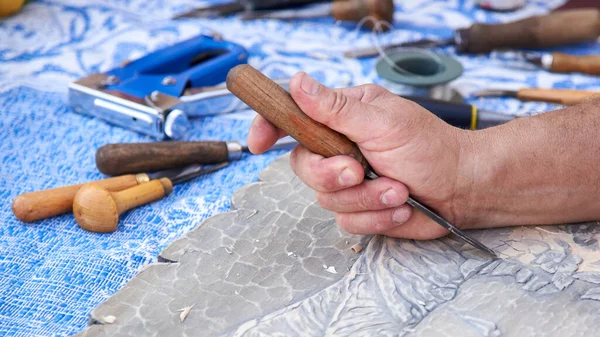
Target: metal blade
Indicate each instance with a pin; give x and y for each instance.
(187, 173)
(442, 222)
(212, 11)
(286, 143)
(495, 93)
(372, 51)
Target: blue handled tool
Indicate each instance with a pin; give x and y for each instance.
(144, 95)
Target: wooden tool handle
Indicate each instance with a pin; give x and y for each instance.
(29, 207)
(563, 63)
(277, 106)
(116, 159)
(559, 96)
(557, 28)
(356, 10)
(97, 210)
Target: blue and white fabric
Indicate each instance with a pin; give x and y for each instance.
(53, 273)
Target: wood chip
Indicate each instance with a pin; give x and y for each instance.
(185, 312)
(110, 319)
(357, 248)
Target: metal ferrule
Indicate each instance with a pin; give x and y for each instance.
(547, 60)
(142, 178)
(234, 150)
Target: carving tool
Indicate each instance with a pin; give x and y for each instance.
(554, 29)
(34, 206)
(97, 209)
(558, 96)
(277, 106)
(349, 10)
(235, 7)
(564, 63)
(145, 95)
(122, 158)
(461, 115)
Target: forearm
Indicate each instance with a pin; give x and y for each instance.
(536, 170)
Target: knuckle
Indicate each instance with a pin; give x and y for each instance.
(364, 200)
(344, 221)
(338, 103)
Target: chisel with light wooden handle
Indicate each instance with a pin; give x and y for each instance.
(565, 63)
(277, 106)
(558, 96)
(34, 206)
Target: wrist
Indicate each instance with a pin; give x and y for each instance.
(480, 166)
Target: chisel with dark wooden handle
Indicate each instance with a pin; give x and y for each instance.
(277, 106)
(543, 31)
(123, 158)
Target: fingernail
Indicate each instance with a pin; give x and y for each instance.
(390, 198)
(347, 178)
(309, 85)
(400, 215)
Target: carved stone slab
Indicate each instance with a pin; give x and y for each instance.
(279, 265)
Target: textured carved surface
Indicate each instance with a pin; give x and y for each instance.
(278, 264)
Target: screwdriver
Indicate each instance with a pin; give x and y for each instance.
(277, 106)
(349, 10)
(558, 96)
(97, 209)
(564, 63)
(554, 29)
(123, 158)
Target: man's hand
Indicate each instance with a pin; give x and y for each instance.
(409, 147)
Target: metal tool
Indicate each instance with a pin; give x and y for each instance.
(559, 96)
(278, 107)
(554, 29)
(97, 209)
(236, 7)
(123, 158)
(38, 205)
(461, 115)
(349, 10)
(564, 63)
(145, 95)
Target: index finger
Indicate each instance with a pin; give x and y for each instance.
(263, 135)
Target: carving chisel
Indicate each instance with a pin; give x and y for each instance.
(277, 106)
(554, 29)
(564, 63)
(122, 158)
(558, 96)
(97, 209)
(349, 10)
(230, 8)
(34, 206)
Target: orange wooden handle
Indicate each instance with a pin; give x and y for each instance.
(560, 96)
(97, 210)
(33, 206)
(277, 106)
(356, 10)
(563, 63)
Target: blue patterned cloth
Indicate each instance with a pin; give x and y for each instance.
(52, 273)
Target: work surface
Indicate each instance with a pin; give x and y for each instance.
(52, 273)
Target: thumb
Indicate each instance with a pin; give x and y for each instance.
(346, 111)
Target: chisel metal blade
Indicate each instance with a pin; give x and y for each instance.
(189, 172)
(442, 222)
